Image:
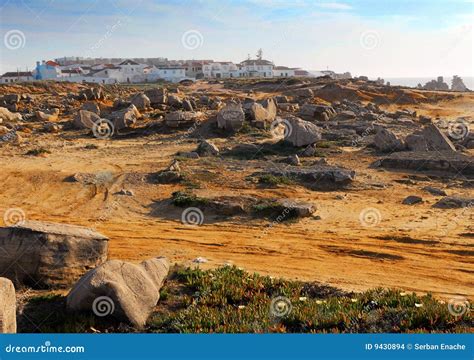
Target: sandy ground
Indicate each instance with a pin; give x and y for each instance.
(414, 248)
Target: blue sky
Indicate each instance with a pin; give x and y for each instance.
(375, 38)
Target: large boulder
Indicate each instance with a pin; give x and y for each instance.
(157, 96)
(317, 112)
(43, 254)
(85, 119)
(386, 141)
(95, 93)
(207, 148)
(91, 106)
(430, 138)
(6, 115)
(125, 118)
(300, 132)
(180, 118)
(231, 117)
(7, 307)
(51, 115)
(454, 202)
(300, 93)
(174, 101)
(263, 113)
(126, 291)
(12, 98)
(141, 101)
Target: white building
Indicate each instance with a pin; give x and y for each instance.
(283, 71)
(168, 73)
(257, 68)
(222, 70)
(16, 76)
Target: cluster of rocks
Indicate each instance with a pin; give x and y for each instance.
(248, 205)
(48, 255)
(429, 138)
(457, 84)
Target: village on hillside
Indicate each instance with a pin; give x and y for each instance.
(146, 70)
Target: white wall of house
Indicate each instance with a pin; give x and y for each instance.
(170, 74)
(283, 72)
(13, 79)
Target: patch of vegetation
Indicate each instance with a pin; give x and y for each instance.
(250, 130)
(230, 300)
(184, 199)
(91, 147)
(189, 184)
(38, 152)
(325, 144)
(274, 210)
(274, 180)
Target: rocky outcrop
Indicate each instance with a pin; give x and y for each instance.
(91, 106)
(231, 117)
(157, 96)
(316, 177)
(454, 202)
(180, 118)
(445, 162)
(457, 84)
(386, 141)
(125, 118)
(85, 119)
(7, 307)
(126, 291)
(141, 101)
(207, 148)
(300, 132)
(316, 112)
(261, 114)
(51, 115)
(43, 254)
(430, 138)
(95, 93)
(437, 84)
(7, 116)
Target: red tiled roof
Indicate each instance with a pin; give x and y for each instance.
(52, 63)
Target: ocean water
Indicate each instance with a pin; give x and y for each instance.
(413, 82)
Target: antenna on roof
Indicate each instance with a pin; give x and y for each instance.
(248, 56)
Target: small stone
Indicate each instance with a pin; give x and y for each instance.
(411, 200)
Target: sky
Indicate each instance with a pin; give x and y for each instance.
(386, 38)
